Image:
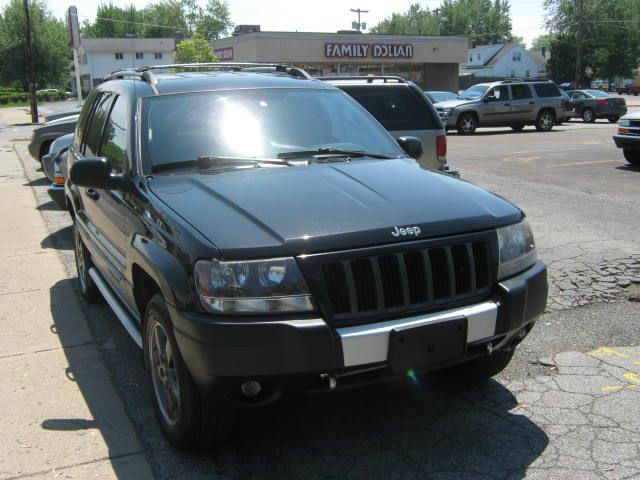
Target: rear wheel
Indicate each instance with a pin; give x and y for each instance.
(478, 370)
(189, 419)
(518, 127)
(632, 156)
(545, 121)
(88, 288)
(588, 116)
(467, 124)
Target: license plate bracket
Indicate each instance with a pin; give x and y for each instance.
(427, 345)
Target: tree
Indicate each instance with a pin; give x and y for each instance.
(115, 22)
(215, 20)
(486, 21)
(195, 51)
(51, 53)
(543, 41)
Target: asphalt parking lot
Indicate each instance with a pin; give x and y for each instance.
(567, 407)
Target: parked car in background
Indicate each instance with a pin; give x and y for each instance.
(440, 96)
(273, 239)
(633, 90)
(65, 113)
(512, 103)
(569, 111)
(628, 137)
(592, 104)
(401, 108)
(54, 165)
(567, 86)
(42, 137)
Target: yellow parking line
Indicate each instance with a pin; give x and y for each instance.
(582, 163)
(607, 352)
(632, 377)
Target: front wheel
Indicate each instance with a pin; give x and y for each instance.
(467, 124)
(588, 116)
(517, 127)
(613, 119)
(88, 288)
(189, 419)
(545, 121)
(632, 156)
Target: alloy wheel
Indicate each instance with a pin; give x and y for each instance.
(166, 385)
(546, 121)
(468, 125)
(80, 260)
(587, 116)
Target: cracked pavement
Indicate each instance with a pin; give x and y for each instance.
(567, 407)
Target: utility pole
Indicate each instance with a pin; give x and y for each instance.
(361, 25)
(579, 43)
(30, 73)
(437, 12)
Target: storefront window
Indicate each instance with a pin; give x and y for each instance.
(374, 69)
(388, 68)
(417, 72)
(329, 69)
(314, 69)
(346, 69)
(402, 70)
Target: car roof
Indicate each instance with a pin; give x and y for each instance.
(188, 82)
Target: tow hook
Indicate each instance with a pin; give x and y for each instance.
(331, 378)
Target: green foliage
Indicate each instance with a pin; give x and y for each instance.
(541, 41)
(164, 18)
(51, 53)
(486, 21)
(611, 38)
(195, 51)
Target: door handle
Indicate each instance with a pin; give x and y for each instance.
(532, 103)
(91, 193)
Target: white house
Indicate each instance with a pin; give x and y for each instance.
(99, 57)
(501, 61)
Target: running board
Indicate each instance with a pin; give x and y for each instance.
(128, 322)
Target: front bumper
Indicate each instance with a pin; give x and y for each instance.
(225, 351)
(628, 142)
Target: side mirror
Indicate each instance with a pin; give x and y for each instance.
(411, 145)
(488, 98)
(93, 172)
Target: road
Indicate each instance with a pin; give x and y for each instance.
(567, 407)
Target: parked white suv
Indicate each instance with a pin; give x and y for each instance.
(511, 103)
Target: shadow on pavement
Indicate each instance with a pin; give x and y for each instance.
(48, 206)
(481, 133)
(60, 240)
(628, 168)
(38, 182)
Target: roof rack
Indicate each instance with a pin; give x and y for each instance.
(525, 79)
(369, 78)
(146, 73)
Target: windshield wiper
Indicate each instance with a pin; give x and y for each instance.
(327, 151)
(206, 162)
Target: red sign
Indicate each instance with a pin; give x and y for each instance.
(364, 50)
(224, 54)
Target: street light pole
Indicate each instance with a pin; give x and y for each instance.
(30, 72)
(359, 11)
(437, 12)
(579, 43)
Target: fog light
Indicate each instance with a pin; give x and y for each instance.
(251, 388)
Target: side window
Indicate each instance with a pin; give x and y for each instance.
(84, 117)
(520, 92)
(547, 90)
(500, 94)
(94, 130)
(114, 139)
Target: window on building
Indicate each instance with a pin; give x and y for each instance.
(517, 56)
(471, 58)
(527, 73)
(477, 56)
(513, 73)
(139, 55)
(119, 55)
(157, 55)
(83, 59)
(114, 139)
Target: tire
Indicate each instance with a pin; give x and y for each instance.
(632, 156)
(189, 419)
(467, 124)
(545, 121)
(518, 127)
(588, 116)
(44, 149)
(87, 286)
(613, 119)
(478, 370)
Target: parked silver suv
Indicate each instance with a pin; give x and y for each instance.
(513, 103)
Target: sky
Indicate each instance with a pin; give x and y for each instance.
(319, 15)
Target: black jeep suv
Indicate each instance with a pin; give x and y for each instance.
(258, 233)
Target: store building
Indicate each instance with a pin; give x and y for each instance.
(433, 62)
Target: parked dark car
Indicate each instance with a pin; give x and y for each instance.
(628, 137)
(54, 165)
(42, 137)
(273, 237)
(65, 113)
(628, 89)
(440, 96)
(592, 104)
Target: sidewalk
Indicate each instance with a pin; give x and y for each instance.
(62, 415)
(20, 115)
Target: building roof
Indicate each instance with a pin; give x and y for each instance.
(536, 56)
(480, 48)
(113, 45)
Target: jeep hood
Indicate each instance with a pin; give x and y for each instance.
(321, 207)
(453, 103)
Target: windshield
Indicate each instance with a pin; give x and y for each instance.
(598, 93)
(474, 93)
(441, 96)
(257, 123)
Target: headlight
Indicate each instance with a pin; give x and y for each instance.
(517, 249)
(256, 286)
(624, 123)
